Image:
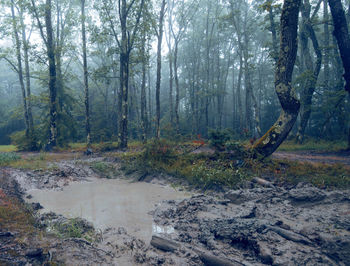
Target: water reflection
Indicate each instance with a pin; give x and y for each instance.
(162, 229)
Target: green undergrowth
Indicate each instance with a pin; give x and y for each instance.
(326, 176)
(223, 169)
(6, 158)
(104, 169)
(199, 170)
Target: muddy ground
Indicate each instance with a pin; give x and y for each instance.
(255, 225)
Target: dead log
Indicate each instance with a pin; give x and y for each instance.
(211, 260)
(289, 235)
(164, 244)
(208, 259)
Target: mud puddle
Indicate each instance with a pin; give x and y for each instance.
(109, 204)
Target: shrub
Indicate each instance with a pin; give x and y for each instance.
(215, 176)
(236, 148)
(23, 142)
(218, 138)
(159, 150)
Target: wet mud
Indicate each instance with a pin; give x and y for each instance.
(262, 224)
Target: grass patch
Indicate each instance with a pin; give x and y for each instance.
(8, 148)
(202, 171)
(14, 216)
(6, 158)
(73, 228)
(285, 172)
(104, 169)
(229, 170)
(313, 145)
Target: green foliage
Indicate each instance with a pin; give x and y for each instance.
(8, 157)
(236, 148)
(23, 142)
(215, 175)
(218, 138)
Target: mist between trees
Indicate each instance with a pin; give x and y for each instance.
(93, 71)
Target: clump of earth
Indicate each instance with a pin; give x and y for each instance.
(260, 224)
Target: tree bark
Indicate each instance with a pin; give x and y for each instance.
(312, 71)
(53, 78)
(273, 138)
(341, 33)
(86, 77)
(159, 67)
(20, 69)
(125, 46)
(144, 121)
(124, 78)
(326, 44)
(177, 88)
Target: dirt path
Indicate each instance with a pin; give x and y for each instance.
(342, 157)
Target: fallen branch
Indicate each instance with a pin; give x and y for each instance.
(289, 235)
(207, 259)
(263, 182)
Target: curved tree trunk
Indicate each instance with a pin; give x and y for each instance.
(267, 144)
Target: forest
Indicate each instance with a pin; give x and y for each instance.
(174, 132)
(108, 71)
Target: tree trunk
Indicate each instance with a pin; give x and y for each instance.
(124, 78)
(239, 98)
(86, 81)
(20, 69)
(177, 97)
(171, 75)
(267, 144)
(143, 89)
(28, 85)
(159, 68)
(311, 71)
(53, 79)
(326, 45)
(341, 33)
